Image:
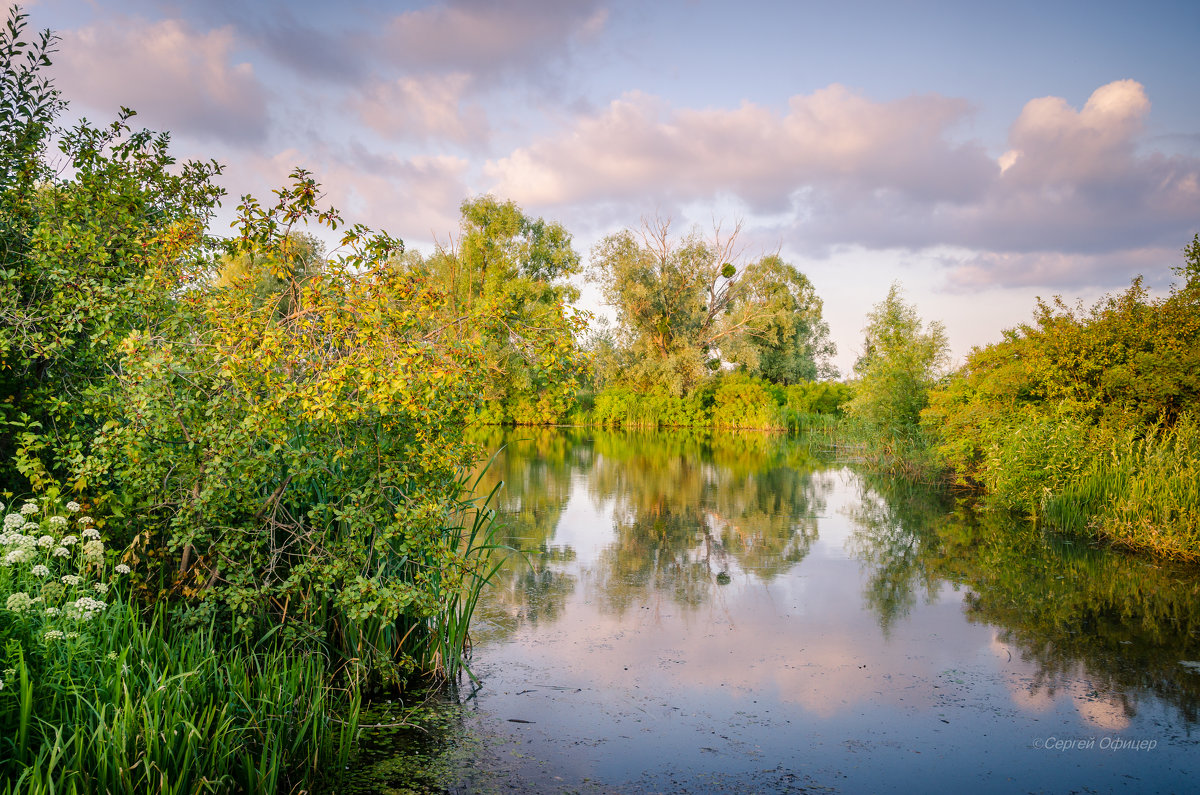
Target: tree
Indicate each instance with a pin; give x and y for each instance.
(793, 345)
(506, 278)
(900, 363)
(86, 258)
(685, 305)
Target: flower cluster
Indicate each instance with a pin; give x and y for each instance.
(52, 566)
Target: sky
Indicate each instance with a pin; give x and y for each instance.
(981, 154)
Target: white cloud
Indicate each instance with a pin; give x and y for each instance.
(177, 78)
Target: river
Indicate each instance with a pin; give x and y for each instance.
(747, 613)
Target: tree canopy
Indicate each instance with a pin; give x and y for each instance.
(686, 305)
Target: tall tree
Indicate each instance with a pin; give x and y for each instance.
(506, 277)
(685, 305)
(901, 361)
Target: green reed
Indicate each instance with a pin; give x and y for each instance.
(1138, 489)
(139, 706)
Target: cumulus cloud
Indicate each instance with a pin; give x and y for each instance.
(178, 78)
(1071, 200)
(423, 108)
(640, 146)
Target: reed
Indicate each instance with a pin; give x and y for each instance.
(1139, 489)
(136, 706)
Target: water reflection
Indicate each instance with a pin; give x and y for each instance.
(689, 609)
(1100, 626)
(689, 512)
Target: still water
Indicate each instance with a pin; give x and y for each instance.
(745, 613)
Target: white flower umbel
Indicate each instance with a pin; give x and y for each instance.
(29, 509)
(40, 571)
(73, 506)
(71, 579)
(19, 602)
(58, 521)
(121, 568)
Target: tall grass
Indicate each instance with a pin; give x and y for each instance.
(474, 534)
(141, 706)
(1139, 489)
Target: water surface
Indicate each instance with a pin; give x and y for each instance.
(745, 614)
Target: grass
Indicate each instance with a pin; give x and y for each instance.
(1139, 490)
(139, 706)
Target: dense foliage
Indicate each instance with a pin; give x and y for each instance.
(505, 279)
(901, 361)
(1088, 417)
(266, 440)
(686, 307)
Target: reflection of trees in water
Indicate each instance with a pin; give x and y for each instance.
(894, 525)
(688, 508)
(536, 466)
(1077, 612)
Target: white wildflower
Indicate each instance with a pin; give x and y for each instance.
(85, 520)
(45, 541)
(93, 549)
(61, 552)
(53, 634)
(31, 527)
(91, 532)
(69, 541)
(1, 507)
(16, 556)
(29, 509)
(100, 588)
(71, 579)
(73, 506)
(72, 636)
(111, 656)
(58, 521)
(88, 605)
(40, 571)
(18, 602)
(121, 568)
(13, 521)
(52, 611)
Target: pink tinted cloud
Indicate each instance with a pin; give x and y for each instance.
(422, 108)
(178, 78)
(1073, 184)
(640, 146)
(1056, 268)
(475, 35)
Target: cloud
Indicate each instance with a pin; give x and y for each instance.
(480, 36)
(1073, 199)
(1055, 268)
(176, 77)
(834, 138)
(423, 108)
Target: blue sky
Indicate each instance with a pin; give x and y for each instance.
(981, 154)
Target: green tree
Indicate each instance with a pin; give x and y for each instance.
(509, 273)
(900, 363)
(87, 257)
(685, 305)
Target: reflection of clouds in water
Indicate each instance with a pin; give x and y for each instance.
(1033, 695)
